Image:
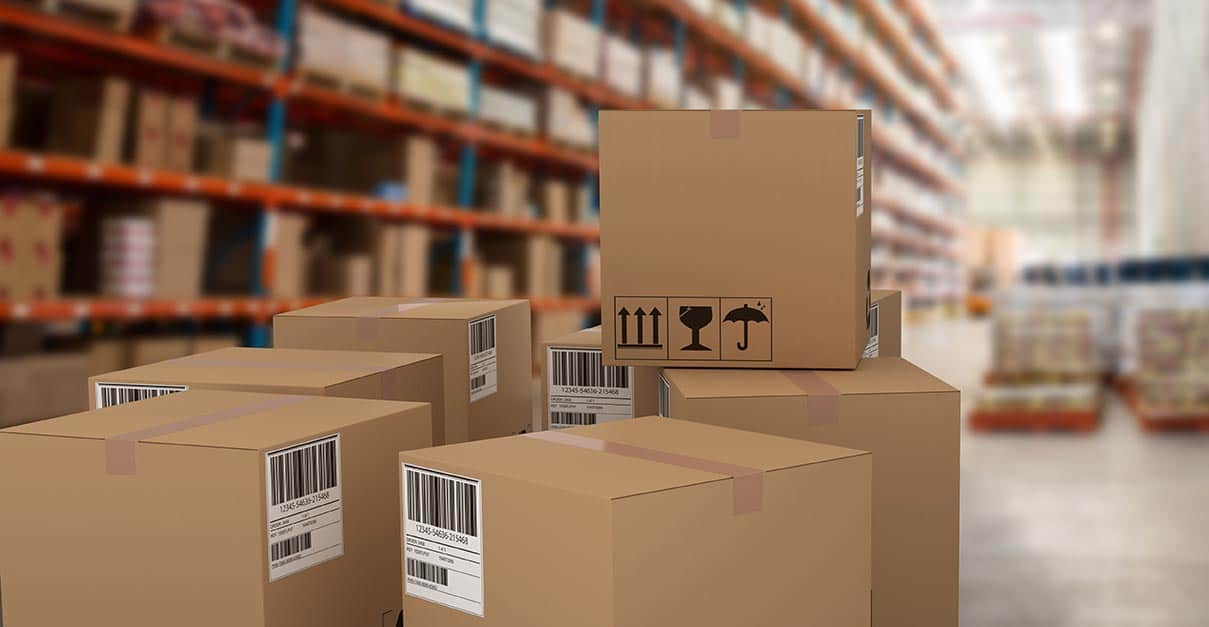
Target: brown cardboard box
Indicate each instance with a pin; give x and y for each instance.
(543, 259)
(414, 240)
(149, 129)
(557, 201)
(885, 324)
(911, 423)
(181, 228)
(233, 153)
(499, 281)
(182, 134)
(41, 386)
(289, 266)
(746, 231)
(386, 259)
(152, 349)
(648, 528)
(548, 325)
(488, 367)
(422, 161)
(349, 374)
(170, 511)
(88, 118)
(8, 96)
(29, 247)
(584, 391)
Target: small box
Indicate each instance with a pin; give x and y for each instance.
(578, 389)
(769, 268)
(639, 523)
(149, 129)
(488, 360)
(30, 258)
(885, 324)
(246, 509)
(349, 374)
(908, 419)
(182, 134)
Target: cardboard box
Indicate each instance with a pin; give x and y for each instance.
(30, 259)
(152, 349)
(88, 118)
(908, 419)
(181, 230)
(414, 240)
(233, 153)
(41, 386)
(578, 389)
(499, 281)
(769, 269)
(350, 374)
(179, 502)
(572, 43)
(8, 96)
(289, 260)
(639, 523)
(149, 129)
(885, 324)
(182, 134)
(485, 344)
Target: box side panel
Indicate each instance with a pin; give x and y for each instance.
(861, 278)
(510, 409)
(184, 532)
(546, 557)
(802, 560)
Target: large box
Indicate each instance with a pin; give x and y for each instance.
(485, 345)
(885, 324)
(638, 523)
(911, 423)
(349, 374)
(208, 508)
(578, 389)
(750, 248)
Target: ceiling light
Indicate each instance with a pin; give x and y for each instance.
(1064, 66)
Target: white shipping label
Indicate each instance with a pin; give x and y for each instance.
(443, 538)
(305, 511)
(873, 348)
(484, 377)
(109, 394)
(860, 165)
(581, 390)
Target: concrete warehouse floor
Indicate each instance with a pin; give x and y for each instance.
(1063, 530)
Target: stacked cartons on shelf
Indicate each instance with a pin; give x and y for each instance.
(622, 66)
(511, 110)
(456, 13)
(566, 120)
(242, 154)
(30, 257)
(8, 96)
(663, 77)
(516, 25)
(88, 118)
(336, 52)
(572, 43)
(431, 80)
(1165, 354)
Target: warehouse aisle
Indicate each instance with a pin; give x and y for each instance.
(1105, 530)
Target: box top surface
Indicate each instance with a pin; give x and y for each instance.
(589, 338)
(292, 367)
(609, 475)
(253, 425)
(403, 308)
(882, 375)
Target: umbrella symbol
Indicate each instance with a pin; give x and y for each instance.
(746, 315)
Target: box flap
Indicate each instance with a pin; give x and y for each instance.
(883, 375)
(294, 368)
(256, 430)
(412, 308)
(611, 476)
(588, 338)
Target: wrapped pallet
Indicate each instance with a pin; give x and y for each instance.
(515, 24)
(342, 54)
(728, 93)
(432, 80)
(508, 109)
(573, 43)
(622, 66)
(456, 13)
(663, 77)
(566, 120)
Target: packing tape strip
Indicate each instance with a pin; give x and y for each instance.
(725, 124)
(748, 482)
(369, 323)
(822, 400)
(120, 449)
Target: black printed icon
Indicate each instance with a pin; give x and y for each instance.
(696, 317)
(747, 315)
(640, 317)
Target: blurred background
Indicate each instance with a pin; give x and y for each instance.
(173, 172)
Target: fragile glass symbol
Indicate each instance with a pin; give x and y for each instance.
(746, 315)
(696, 318)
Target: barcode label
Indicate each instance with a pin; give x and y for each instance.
(110, 394)
(581, 390)
(860, 165)
(484, 379)
(873, 348)
(443, 538)
(305, 510)
(665, 394)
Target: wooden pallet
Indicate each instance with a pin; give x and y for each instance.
(349, 85)
(1158, 422)
(114, 15)
(1034, 420)
(206, 44)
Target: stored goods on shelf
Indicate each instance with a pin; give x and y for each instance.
(566, 120)
(30, 258)
(728, 15)
(573, 43)
(224, 28)
(578, 389)
(154, 248)
(260, 542)
(785, 47)
(887, 406)
(36, 387)
(622, 66)
(704, 7)
(457, 13)
(733, 282)
(727, 93)
(556, 200)
(432, 80)
(149, 129)
(88, 118)
(506, 108)
(207, 342)
(515, 24)
(236, 153)
(508, 186)
(348, 274)
(545, 265)
(289, 255)
(8, 96)
(617, 492)
(663, 78)
(695, 98)
(182, 134)
(107, 354)
(499, 281)
(758, 30)
(484, 344)
(343, 54)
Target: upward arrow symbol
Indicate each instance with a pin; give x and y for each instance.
(625, 325)
(640, 314)
(655, 313)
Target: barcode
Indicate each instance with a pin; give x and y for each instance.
(303, 471)
(584, 368)
(428, 572)
(110, 394)
(664, 392)
(482, 335)
(289, 546)
(571, 419)
(442, 501)
(873, 320)
(478, 382)
(860, 136)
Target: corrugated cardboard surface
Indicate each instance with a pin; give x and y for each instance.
(731, 209)
(350, 374)
(183, 541)
(609, 532)
(645, 378)
(890, 322)
(375, 324)
(909, 420)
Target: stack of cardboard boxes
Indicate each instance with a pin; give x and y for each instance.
(299, 484)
